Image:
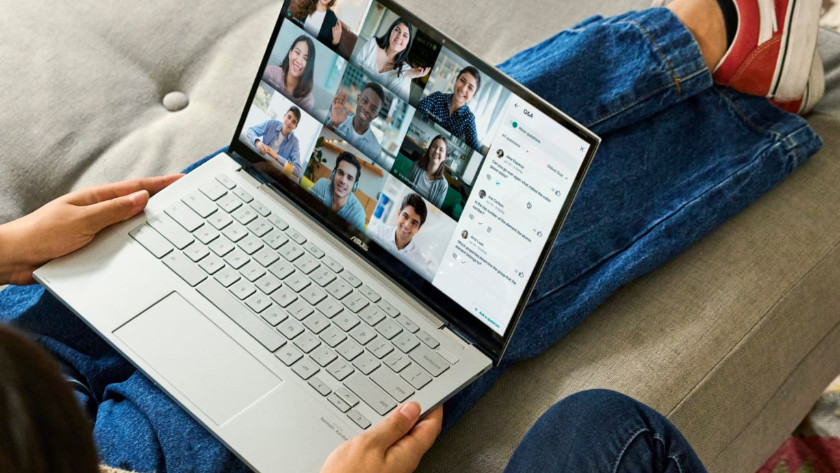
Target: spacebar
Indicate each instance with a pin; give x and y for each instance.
(221, 298)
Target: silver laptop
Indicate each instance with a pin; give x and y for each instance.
(371, 237)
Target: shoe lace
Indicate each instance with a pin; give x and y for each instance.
(767, 24)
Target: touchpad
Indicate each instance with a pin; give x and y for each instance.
(180, 344)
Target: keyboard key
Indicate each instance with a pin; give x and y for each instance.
(222, 299)
(307, 342)
(278, 222)
(297, 281)
(227, 276)
(221, 246)
(355, 302)
(317, 323)
(319, 386)
(407, 323)
(296, 236)
(171, 231)
(323, 355)
(244, 214)
(340, 369)
(206, 234)
(388, 308)
(322, 276)
(347, 396)
(339, 289)
(346, 321)
(370, 393)
(380, 347)
(299, 309)
(200, 204)
(242, 289)
(290, 328)
(220, 220)
(266, 256)
(274, 315)
(237, 258)
(416, 376)
(313, 294)
(363, 334)
(184, 268)
(268, 284)
(351, 279)
(275, 239)
(184, 216)
(428, 339)
(151, 240)
(372, 315)
(314, 250)
(252, 271)
(330, 307)
(332, 336)
(235, 232)
(281, 269)
(211, 264)
(229, 203)
(397, 361)
(332, 264)
(388, 328)
(429, 360)
(370, 294)
(242, 194)
(290, 252)
(306, 264)
(212, 190)
(366, 362)
(226, 181)
(260, 227)
(258, 302)
(405, 342)
(392, 384)
(349, 349)
(338, 402)
(288, 354)
(260, 208)
(283, 297)
(250, 244)
(358, 418)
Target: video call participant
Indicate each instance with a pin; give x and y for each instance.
(319, 20)
(452, 111)
(355, 127)
(337, 191)
(278, 140)
(294, 76)
(385, 59)
(426, 175)
(399, 239)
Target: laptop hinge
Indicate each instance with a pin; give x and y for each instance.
(463, 337)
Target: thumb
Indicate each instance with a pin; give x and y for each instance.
(396, 425)
(100, 215)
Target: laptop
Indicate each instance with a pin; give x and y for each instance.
(371, 237)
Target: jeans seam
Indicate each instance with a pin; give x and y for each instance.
(661, 54)
(626, 446)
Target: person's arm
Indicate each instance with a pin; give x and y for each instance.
(256, 131)
(294, 157)
(440, 188)
(68, 223)
(470, 133)
(395, 445)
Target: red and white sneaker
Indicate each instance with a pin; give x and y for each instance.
(773, 49)
(814, 90)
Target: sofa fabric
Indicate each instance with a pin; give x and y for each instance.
(733, 339)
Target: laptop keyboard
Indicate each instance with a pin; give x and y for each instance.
(318, 318)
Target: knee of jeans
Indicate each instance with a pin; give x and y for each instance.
(594, 405)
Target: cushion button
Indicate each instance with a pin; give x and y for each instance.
(174, 101)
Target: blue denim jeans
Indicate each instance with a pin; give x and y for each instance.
(679, 156)
(603, 431)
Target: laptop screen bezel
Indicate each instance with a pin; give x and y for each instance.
(455, 316)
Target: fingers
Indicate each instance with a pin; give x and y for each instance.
(106, 192)
(395, 425)
(102, 214)
(413, 446)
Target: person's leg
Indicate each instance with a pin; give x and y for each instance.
(603, 431)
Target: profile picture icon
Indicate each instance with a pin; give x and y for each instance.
(482, 194)
(500, 153)
(465, 234)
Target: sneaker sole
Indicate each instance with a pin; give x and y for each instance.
(792, 69)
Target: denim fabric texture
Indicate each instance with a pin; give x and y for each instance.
(679, 156)
(603, 431)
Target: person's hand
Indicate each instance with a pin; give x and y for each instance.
(336, 31)
(338, 112)
(416, 72)
(273, 153)
(262, 148)
(394, 446)
(69, 223)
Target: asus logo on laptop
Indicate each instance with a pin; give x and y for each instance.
(359, 242)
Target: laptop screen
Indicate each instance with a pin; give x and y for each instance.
(435, 167)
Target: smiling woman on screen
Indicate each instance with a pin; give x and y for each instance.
(319, 20)
(452, 111)
(426, 175)
(294, 76)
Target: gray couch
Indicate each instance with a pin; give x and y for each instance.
(733, 340)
